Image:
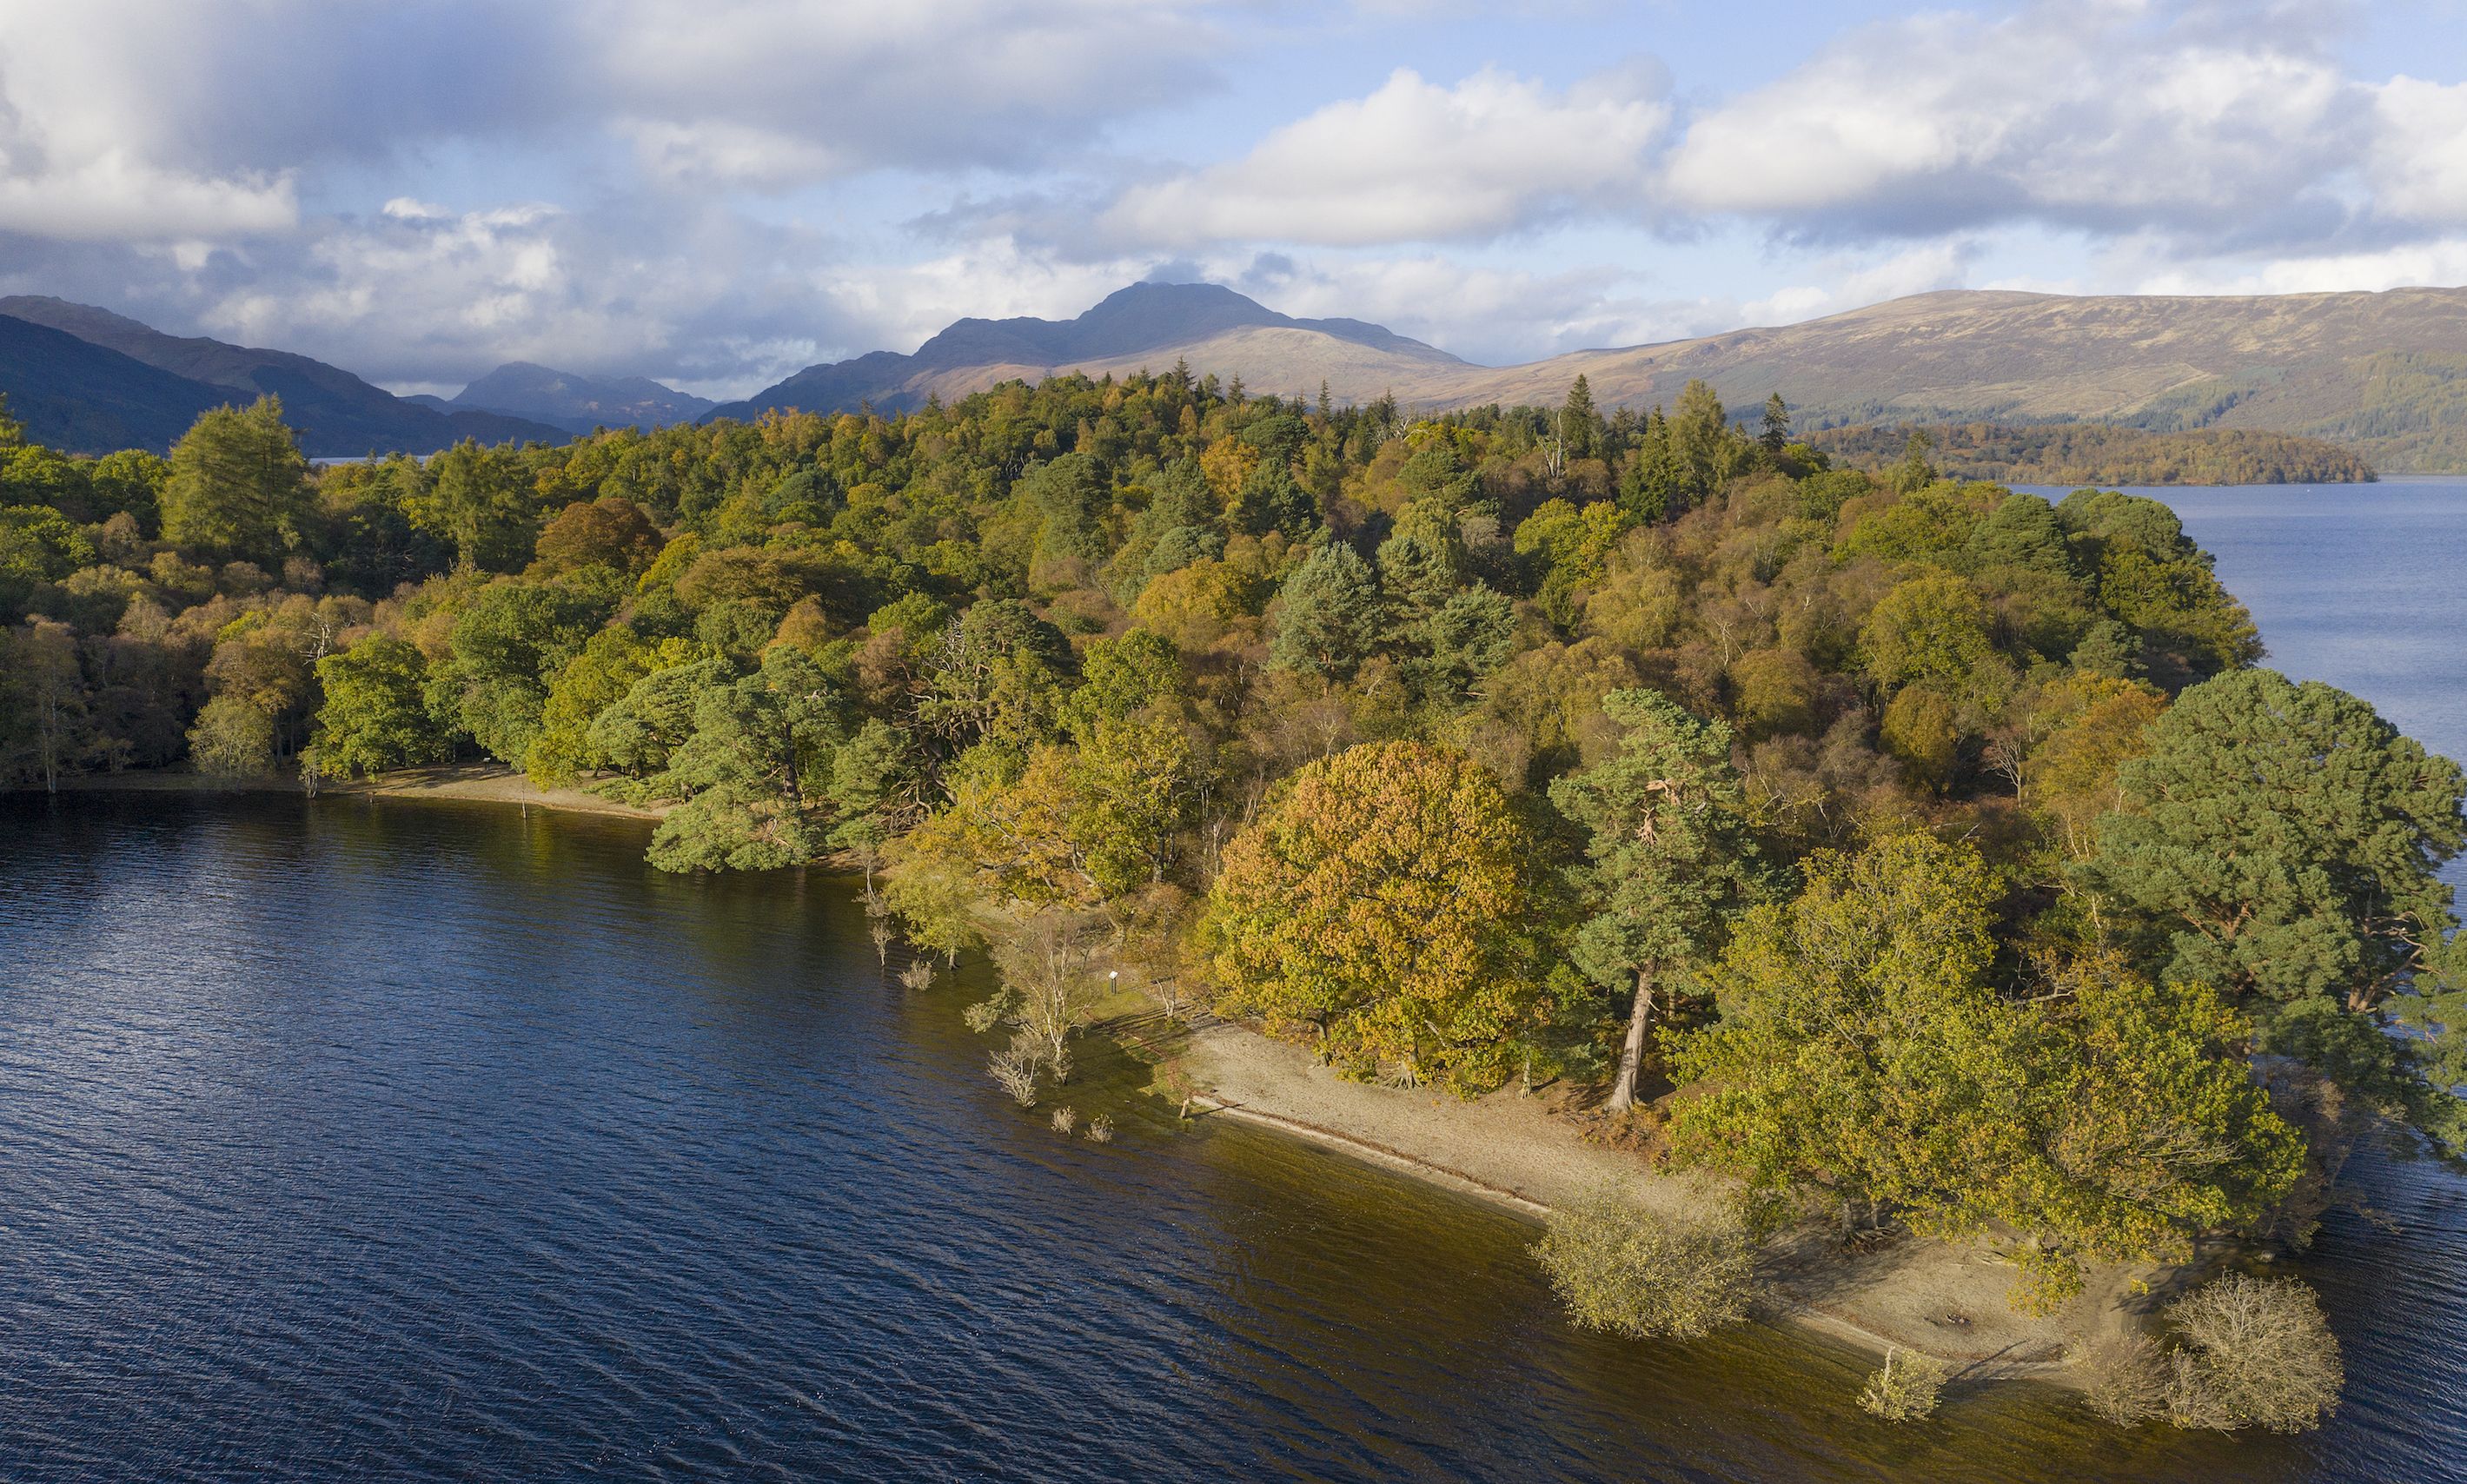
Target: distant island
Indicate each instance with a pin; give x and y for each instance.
(2090, 452)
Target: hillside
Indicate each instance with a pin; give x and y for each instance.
(2091, 452)
(85, 399)
(338, 414)
(575, 403)
(2384, 374)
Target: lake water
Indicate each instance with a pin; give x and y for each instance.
(355, 1139)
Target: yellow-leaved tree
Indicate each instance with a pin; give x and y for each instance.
(1383, 907)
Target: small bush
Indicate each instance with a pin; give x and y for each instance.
(1100, 1129)
(917, 975)
(986, 1014)
(1013, 1069)
(2124, 1381)
(1064, 1121)
(1905, 1389)
(1637, 1272)
(2253, 1353)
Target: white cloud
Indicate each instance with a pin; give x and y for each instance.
(1848, 283)
(1416, 162)
(2100, 116)
(770, 93)
(2419, 160)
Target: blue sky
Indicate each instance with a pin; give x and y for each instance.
(719, 192)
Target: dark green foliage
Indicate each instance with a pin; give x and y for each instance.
(375, 718)
(2281, 842)
(1330, 615)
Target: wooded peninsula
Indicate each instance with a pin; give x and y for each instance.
(1900, 853)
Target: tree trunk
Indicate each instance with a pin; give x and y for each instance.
(1632, 1052)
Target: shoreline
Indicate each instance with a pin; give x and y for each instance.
(1513, 1152)
(467, 782)
(1942, 1299)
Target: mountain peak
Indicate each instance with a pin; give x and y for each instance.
(1147, 322)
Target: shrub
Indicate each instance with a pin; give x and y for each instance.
(2124, 1381)
(1905, 1389)
(1064, 1121)
(917, 975)
(1100, 1129)
(1620, 1267)
(2254, 1353)
(1015, 1070)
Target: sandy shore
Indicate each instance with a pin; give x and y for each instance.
(1946, 1299)
(484, 782)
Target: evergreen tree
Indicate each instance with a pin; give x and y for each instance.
(1669, 857)
(1775, 436)
(1330, 615)
(2283, 843)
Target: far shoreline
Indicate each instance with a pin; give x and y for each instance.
(470, 782)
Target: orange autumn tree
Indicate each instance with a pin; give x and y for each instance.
(1384, 907)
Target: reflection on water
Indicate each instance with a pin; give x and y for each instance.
(357, 1138)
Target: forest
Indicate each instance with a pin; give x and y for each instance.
(2097, 453)
(1904, 849)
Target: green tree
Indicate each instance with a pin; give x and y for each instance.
(761, 749)
(1864, 1054)
(1331, 616)
(1775, 435)
(1383, 906)
(1669, 858)
(2283, 843)
(374, 718)
(232, 738)
(238, 487)
(480, 501)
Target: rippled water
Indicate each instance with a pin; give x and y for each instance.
(390, 1140)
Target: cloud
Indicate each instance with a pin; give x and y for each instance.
(2107, 116)
(2419, 159)
(769, 94)
(1416, 162)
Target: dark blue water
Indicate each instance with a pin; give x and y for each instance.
(356, 1140)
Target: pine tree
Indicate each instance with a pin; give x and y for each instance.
(1775, 436)
(1332, 614)
(1670, 856)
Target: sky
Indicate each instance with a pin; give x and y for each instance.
(719, 192)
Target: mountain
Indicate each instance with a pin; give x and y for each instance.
(337, 414)
(2384, 374)
(1147, 325)
(85, 399)
(578, 403)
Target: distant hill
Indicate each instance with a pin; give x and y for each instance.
(86, 399)
(1147, 325)
(337, 414)
(2383, 374)
(575, 403)
(2090, 452)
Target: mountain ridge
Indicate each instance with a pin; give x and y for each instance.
(337, 414)
(2383, 373)
(577, 403)
(1140, 319)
